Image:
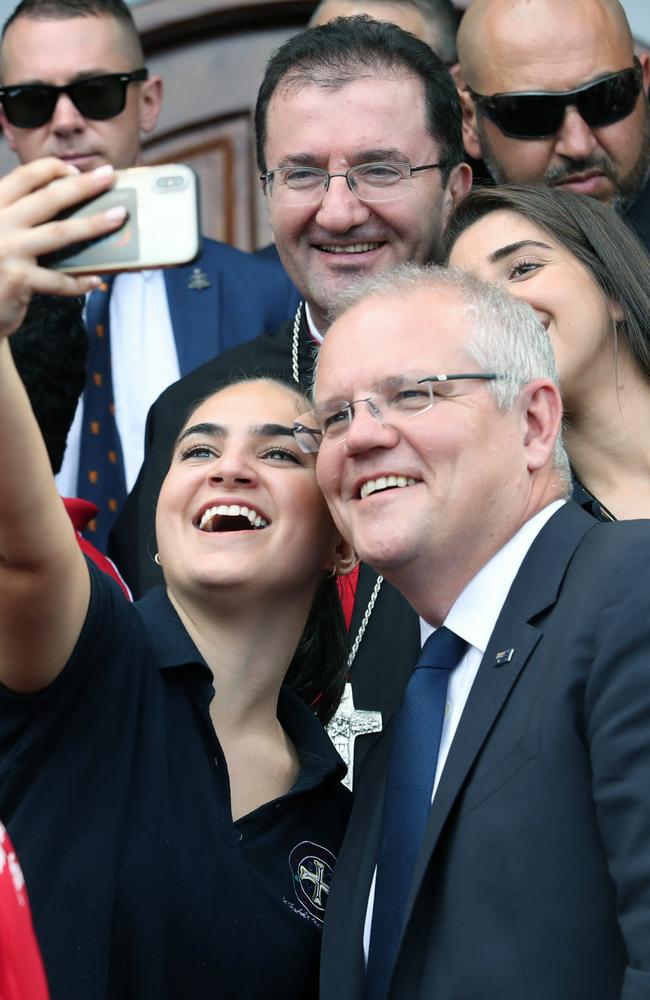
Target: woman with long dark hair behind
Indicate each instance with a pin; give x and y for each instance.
(175, 802)
(588, 278)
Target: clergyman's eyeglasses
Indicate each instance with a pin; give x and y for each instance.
(368, 181)
(30, 105)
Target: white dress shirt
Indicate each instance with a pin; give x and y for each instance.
(473, 617)
(144, 362)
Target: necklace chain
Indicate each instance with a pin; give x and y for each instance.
(295, 371)
(295, 341)
(364, 621)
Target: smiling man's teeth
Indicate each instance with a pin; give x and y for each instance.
(231, 510)
(385, 483)
(352, 248)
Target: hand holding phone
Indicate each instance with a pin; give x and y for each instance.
(31, 196)
(161, 228)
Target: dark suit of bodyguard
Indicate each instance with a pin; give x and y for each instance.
(532, 878)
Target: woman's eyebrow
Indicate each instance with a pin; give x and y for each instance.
(505, 251)
(272, 430)
(218, 430)
(214, 430)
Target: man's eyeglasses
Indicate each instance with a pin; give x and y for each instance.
(368, 181)
(539, 114)
(30, 105)
(391, 403)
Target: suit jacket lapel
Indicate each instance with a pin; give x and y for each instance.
(534, 589)
(343, 965)
(196, 339)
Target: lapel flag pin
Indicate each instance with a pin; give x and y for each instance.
(198, 280)
(504, 656)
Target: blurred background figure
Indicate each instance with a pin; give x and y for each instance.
(21, 968)
(433, 21)
(554, 94)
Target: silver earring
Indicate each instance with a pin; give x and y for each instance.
(156, 559)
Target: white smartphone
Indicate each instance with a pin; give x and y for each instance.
(161, 229)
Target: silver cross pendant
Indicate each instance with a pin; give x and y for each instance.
(348, 723)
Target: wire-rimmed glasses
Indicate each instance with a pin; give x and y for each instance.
(298, 185)
(395, 400)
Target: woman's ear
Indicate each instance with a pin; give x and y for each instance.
(616, 311)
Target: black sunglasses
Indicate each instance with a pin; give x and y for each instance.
(30, 105)
(539, 114)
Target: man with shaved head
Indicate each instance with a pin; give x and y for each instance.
(555, 95)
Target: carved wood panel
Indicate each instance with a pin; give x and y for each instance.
(221, 153)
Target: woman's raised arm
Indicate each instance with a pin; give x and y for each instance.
(44, 584)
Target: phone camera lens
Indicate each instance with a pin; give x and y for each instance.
(170, 182)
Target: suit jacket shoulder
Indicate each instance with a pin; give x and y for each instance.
(534, 862)
(224, 298)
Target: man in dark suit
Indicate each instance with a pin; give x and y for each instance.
(154, 326)
(378, 102)
(521, 844)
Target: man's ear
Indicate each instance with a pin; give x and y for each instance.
(456, 75)
(8, 129)
(644, 59)
(541, 408)
(345, 558)
(458, 187)
(471, 140)
(150, 103)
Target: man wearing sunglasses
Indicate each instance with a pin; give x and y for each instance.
(74, 85)
(553, 94)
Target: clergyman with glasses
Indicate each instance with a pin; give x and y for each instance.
(360, 155)
(554, 94)
(75, 85)
(498, 844)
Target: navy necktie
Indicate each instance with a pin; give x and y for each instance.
(101, 468)
(407, 799)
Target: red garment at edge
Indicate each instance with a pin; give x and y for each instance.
(80, 513)
(347, 589)
(21, 969)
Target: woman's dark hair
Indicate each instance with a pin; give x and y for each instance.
(318, 670)
(592, 233)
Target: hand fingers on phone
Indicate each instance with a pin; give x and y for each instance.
(58, 192)
(64, 232)
(30, 177)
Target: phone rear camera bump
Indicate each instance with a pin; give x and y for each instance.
(171, 182)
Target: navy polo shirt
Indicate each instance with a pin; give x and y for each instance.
(115, 791)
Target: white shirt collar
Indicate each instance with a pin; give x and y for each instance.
(475, 611)
(313, 329)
